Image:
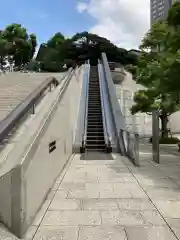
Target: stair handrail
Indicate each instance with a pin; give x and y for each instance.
(105, 127)
(86, 76)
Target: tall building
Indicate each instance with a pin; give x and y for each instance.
(159, 9)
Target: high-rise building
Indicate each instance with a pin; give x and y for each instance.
(159, 9)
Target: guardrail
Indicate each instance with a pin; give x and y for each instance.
(131, 145)
(8, 124)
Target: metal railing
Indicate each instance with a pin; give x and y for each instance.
(105, 126)
(130, 145)
(86, 79)
(12, 120)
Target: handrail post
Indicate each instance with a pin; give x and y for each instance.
(33, 109)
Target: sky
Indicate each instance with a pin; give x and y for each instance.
(124, 22)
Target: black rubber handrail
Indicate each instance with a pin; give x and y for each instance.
(8, 123)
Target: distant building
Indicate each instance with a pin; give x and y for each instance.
(159, 9)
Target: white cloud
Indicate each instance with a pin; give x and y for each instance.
(124, 22)
(81, 7)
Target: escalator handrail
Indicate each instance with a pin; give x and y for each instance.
(86, 76)
(105, 126)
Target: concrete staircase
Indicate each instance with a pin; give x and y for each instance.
(15, 87)
(95, 132)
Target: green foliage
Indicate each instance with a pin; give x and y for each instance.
(158, 70)
(169, 140)
(3, 52)
(33, 66)
(81, 47)
(174, 15)
(15, 42)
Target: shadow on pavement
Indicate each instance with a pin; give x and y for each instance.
(95, 156)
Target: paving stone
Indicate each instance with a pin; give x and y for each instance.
(135, 204)
(99, 204)
(152, 217)
(174, 222)
(5, 234)
(131, 190)
(72, 218)
(153, 182)
(150, 233)
(175, 225)
(121, 193)
(106, 190)
(89, 190)
(102, 233)
(163, 193)
(62, 193)
(123, 217)
(75, 177)
(138, 193)
(169, 209)
(129, 179)
(176, 232)
(57, 233)
(64, 204)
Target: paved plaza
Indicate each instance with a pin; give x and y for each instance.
(109, 198)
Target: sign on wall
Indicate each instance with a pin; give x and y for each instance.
(52, 146)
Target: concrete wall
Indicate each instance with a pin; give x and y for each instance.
(174, 120)
(26, 180)
(142, 122)
(61, 128)
(118, 75)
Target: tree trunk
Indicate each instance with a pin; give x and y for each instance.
(164, 122)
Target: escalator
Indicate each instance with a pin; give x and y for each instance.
(94, 139)
(95, 132)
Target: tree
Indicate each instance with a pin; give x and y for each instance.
(3, 52)
(56, 41)
(21, 46)
(158, 70)
(81, 47)
(33, 66)
(33, 45)
(173, 18)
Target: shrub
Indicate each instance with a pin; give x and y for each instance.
(169, 140)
